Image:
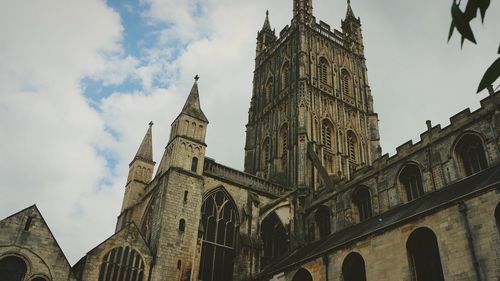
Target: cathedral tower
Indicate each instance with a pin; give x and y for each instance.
(311, 119)
(175, 210)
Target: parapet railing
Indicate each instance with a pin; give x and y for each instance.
(250, 181)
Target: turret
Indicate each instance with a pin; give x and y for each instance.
(140, 171)
(186, 146)
(266, 36)
(351, 27)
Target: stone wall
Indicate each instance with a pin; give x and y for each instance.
(33, 242)
(386, 257)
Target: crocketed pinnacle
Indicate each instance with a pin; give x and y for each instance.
(267, 24)
(145, 151)
(349, 13)
(192, 105)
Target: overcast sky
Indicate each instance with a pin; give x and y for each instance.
(80, 81)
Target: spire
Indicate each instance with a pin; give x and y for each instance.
(192, 105)
(349, 13)
(267, 25)
(145, 151)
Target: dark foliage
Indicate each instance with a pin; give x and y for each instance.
(460, 20)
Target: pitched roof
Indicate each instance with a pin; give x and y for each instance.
(428, 203)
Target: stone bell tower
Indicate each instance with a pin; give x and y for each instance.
(177, 213)
(311, 119)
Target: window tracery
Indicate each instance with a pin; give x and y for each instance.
(219, 220)
(122, 264)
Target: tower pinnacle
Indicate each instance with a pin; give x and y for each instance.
(192, 105)
(267, 24)
(145, 151)
(349, 13)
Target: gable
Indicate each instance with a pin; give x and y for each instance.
(26, 234)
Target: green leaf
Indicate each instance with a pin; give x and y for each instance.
(461, 23)
(483, 6)
(491, 74)
(452, 28)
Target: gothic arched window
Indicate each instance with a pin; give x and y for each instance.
(423, 252)
(411, 179)
(219, 220)
(147, 225)
(284, 140)
(266, 153)
(324, 71)
(352, 150)
(122, 264)
(285, 75)
(470, 152)
(12, 268)
(346, 83)
(194, 164)
(275, 238)
(327, 134)
(322, 219)
(353, 268)
(268, 92)
(362, 200)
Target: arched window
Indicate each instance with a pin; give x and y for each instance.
(194, 164)
(182, 225)
(219, 220)
(285, 75)
(411, 179)
(322, 218)
(346, 83)
(302, 275)
(12, 268)
(352, 150)
(423, 252)
(324, 71)
(266, 153)
(362, 200)
(284, 140)
(122, 264)
(471, 156)
(147, 225)
(327, 134)
(268, 92)
(38, 279)
(275, 238)
(353, 268)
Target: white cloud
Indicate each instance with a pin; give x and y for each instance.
(49, 132)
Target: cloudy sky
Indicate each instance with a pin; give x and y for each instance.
(80, 81)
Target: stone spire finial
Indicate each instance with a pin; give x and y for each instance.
(349, 12)
(145, 151)
(267, 24)
(192, 105)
